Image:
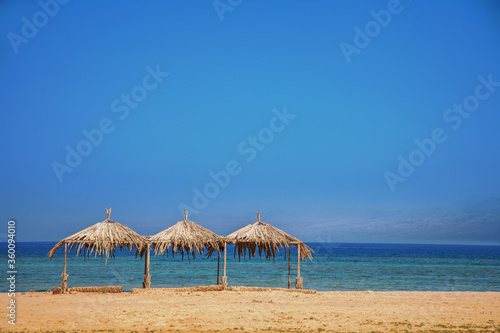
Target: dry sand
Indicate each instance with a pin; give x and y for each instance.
(256, 311)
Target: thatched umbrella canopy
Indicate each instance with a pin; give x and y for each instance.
(267, 239)
(103, 239)
(185, 236)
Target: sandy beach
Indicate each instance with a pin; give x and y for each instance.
(256, 311)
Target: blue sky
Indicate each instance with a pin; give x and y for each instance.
(340, 121)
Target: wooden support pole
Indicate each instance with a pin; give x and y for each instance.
(218, 265)
(65, 255)
(289, 284)
(298, 279)
(225, 251)
(147, 277)
(298, 260)
(64, 283)
(223, 279)
(258, 216)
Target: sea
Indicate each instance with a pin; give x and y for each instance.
(376, 267)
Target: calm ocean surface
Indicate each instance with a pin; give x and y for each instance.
(334, 267)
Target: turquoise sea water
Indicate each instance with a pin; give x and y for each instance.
(334, 267)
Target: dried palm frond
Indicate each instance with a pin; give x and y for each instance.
(265, 238)
(103, 239)
(186, 236)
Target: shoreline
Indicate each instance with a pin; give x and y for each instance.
(246, 309)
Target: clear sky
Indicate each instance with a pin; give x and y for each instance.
(340, 121)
